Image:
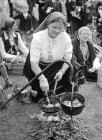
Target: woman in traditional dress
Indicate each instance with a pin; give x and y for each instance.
(50, 42)
(85, 52)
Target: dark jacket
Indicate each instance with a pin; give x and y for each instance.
(31, 4)
(42, 14)
(25, 24)
(86, 65)
(55, 5)
(86, 15)
(69, 9)
(78, 54)
(43, 8)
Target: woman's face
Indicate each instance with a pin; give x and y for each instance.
(84, 36)
(11, 29)
(55, 28)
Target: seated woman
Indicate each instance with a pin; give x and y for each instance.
(11, 42)
(85, 53)
(50, 42)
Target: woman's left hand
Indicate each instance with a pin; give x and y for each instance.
(96, 65)
(93, 69)
(58, 76)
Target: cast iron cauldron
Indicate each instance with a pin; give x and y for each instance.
(72, 111)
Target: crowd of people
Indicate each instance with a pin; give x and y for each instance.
(39, 42)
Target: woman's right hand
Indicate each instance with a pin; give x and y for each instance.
(20, 59)
(17, 59)
(44, 85)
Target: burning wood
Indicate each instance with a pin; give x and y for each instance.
(58, 126)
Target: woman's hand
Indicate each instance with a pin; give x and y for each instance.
(93, 69)
(44, 85)
(18, 59)
(58, 76)
(96, 65)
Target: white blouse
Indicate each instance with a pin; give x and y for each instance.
(60, 47)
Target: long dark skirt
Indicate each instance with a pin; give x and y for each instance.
(63, 85)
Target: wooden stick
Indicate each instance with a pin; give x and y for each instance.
(72, 95)
(61, 60)
(55, 87)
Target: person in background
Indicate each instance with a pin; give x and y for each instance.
(25, 25)
(85, 53)
(17, 6)
(10, 2)
(4, 73)
(31, 4)
(52, 6)
(3, 15)
(12, 39)
(4, 6)
(70, 4)
(56, 45)
(99, 22)
(48, 6)
(73, 16)
(64, 8)
(42, 14)
(3, 20)
(8, 57)
(87, 12)
(7, 82)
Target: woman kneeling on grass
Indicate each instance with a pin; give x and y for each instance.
(50, 42)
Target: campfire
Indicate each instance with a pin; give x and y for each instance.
(56, 125)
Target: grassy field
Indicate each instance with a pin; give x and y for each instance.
(16, 123)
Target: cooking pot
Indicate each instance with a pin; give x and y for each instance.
(53, 100)
(72, 110)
